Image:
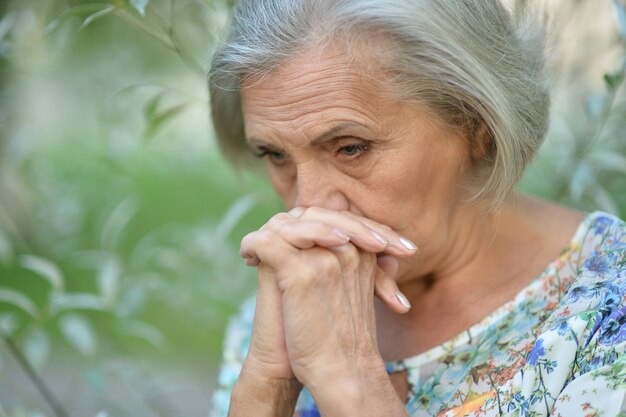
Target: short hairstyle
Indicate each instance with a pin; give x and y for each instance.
(475, 64)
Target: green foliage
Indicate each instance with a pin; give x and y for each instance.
(114, 263)
(119, 224)
(583, 162)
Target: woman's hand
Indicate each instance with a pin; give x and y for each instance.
(305, 228)
(317, 278)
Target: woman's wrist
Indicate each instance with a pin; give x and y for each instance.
(357, 391)
(257, 395)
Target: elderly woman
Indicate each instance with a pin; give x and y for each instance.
(407, 277)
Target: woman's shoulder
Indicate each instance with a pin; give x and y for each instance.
(601, 236)
(596, 261)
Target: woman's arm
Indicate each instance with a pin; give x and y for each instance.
(259, 396)
(363, 393)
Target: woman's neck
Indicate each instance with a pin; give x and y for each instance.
(490, 259)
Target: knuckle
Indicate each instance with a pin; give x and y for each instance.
(264, 238)
(352, 260)
(279, 220)
(328, 264)
(247, 239)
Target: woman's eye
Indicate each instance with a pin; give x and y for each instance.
(353, 150)
(275, 157)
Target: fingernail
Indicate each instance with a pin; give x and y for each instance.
(344, 237)
(380, 238)
(403, 300)
(408, 244)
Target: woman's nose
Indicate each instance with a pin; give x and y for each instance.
(316, 191)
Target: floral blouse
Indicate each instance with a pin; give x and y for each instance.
(556, 349)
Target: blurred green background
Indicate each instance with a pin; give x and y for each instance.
(120, 222)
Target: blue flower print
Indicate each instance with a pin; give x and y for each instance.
(599, 264)
(613, 329)
(576, 293)
(601, 224)
(562, 328)
(610, 303)
(596, 362)
(537, 352)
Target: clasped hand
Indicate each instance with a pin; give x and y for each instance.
(319, 271)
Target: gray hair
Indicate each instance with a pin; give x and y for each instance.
(473, 63)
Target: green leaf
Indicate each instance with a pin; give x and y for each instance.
(613, 80)
(118, 220)
(84, 9)
(146, 332)
(77, 301)
(18, 300)
(604, 200)
(151, 106)
(620, 10)
(96, 15)
(78, 11)
(8, 323)
(597, 105)
(609, 161)
(36, 347)
(6, 249)
(582, 180)
(109, 280)
(6, 24)
(45, 269)
(140, 5)
(131, 301)
(156, 122)
(233, 215)
(79, 333)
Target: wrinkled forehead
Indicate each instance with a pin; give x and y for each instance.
(320, 85)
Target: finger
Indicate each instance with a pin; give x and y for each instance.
(365, 233)
(388, 264)
(306, 234)
(301, 235)
(267, 246)
(385, 269)
(360, 235)
(386, 288)
(278, 220)
(396, 241)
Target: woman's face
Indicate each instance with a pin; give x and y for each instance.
(332, 138)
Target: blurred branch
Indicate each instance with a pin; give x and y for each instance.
(139, 24)
(173, 37)
(37, 381)
(169, 39)
(614, 83)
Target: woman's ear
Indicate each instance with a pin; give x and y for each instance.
(481, 143)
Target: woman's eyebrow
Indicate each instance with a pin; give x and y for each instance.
(331, 134)
(327, 136)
